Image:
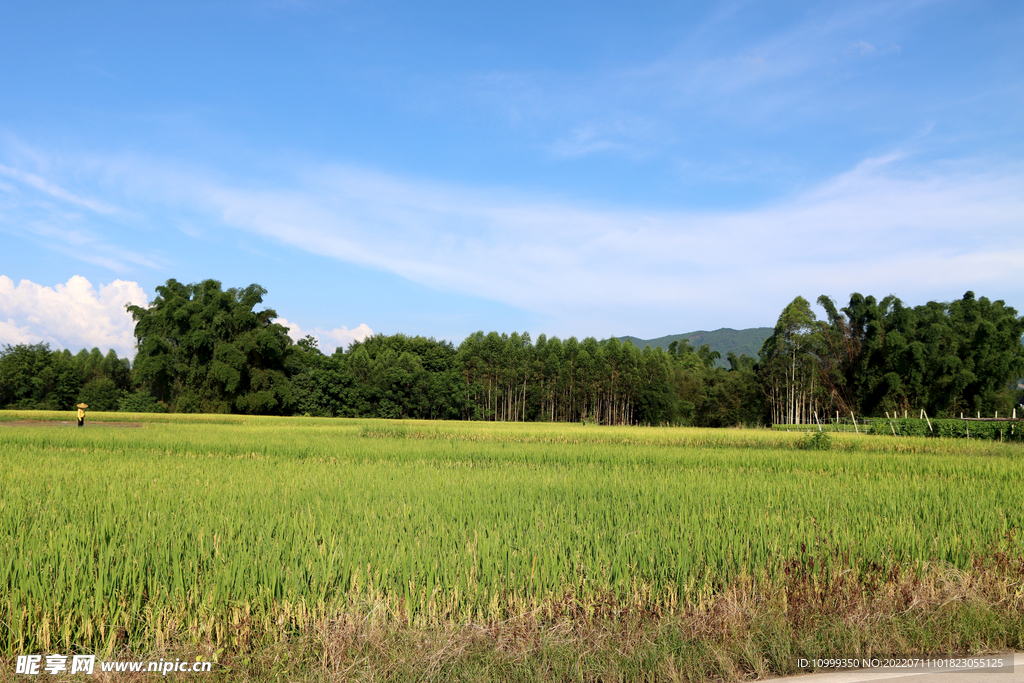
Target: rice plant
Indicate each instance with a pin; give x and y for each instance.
(244, 532)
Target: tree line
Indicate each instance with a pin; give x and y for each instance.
(201, 348)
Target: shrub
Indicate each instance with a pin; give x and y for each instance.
(101, 394)
(140, 402)
(818, 441)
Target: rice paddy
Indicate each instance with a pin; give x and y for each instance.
(232, 535)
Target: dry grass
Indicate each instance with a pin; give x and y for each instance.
(751, 630)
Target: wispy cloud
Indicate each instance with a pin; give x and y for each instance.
(66, 222)
(586, 140)
(41, 184)
(865, 47)
(725, 71)
(632, 136)
(889, 224)
(709, 65)
(884, 224)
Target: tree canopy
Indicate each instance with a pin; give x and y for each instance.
(201, 348)
(876, 356)
(204, 349)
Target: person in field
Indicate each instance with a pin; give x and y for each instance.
(81, 413)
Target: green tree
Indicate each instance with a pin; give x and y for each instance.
(101, 394)
(105, 379)
(33, 377)
(204, 349)
(324, 386)
(789, 365)
(975, 353)
(870, 358)
(881, 356)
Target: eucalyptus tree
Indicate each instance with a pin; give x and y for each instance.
(789, 367)
(106, 379)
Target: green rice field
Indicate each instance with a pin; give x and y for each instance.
(230, 537)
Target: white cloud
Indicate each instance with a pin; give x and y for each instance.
(73, 315)
(582, 141)
(11, 333)
(328, 340)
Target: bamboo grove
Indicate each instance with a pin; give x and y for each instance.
(874, 357)
(202, 349)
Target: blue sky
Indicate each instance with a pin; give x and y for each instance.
(561, 167)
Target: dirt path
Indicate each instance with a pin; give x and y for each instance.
(69, 423)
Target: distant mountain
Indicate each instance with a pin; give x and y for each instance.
(740, 342)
